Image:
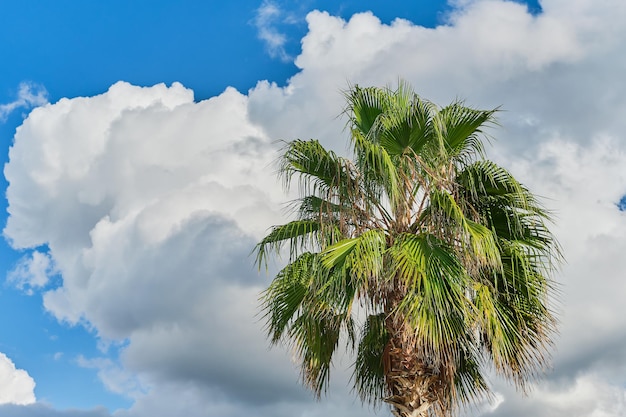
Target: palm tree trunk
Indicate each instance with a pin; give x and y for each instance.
(415, 386)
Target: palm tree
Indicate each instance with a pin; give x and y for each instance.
(429, 262)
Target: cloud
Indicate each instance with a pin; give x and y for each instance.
(586, 395)
(189, 400)
(115, 378)
(585, 182)
(266, 21)
(150, 202)
(150, 215)
(43, 410)
(32, 271)
(16, 386)
(29, 95)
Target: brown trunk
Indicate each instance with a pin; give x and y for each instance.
(417, 384)
(416, 387)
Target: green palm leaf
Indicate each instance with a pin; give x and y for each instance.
(298, 234)
(369, 373)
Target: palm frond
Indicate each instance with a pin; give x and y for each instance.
(368, 376)
(300, 306)
(364, 107)
(379, 173)
(285, 295)
(320, 170)
(475, 239)
(470, 383)
(434, 305)
(298, 234)
(459, 128)
(362, 257)
(516, 323)
(315, 338)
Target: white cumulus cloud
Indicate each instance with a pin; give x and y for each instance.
(16, 386)
(150, 204)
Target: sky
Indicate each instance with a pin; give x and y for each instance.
(138, 141)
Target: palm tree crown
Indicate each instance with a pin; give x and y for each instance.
(430, 262)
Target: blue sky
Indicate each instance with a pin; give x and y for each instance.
(80, 48)
(88, 340)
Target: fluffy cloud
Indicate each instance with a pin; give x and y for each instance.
(150, 205)
(583, 184)
(16, 386)
(584, 396)
(150, 202)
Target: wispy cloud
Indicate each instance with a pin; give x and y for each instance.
(115, 378)
(268, 15)
(29, 95)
